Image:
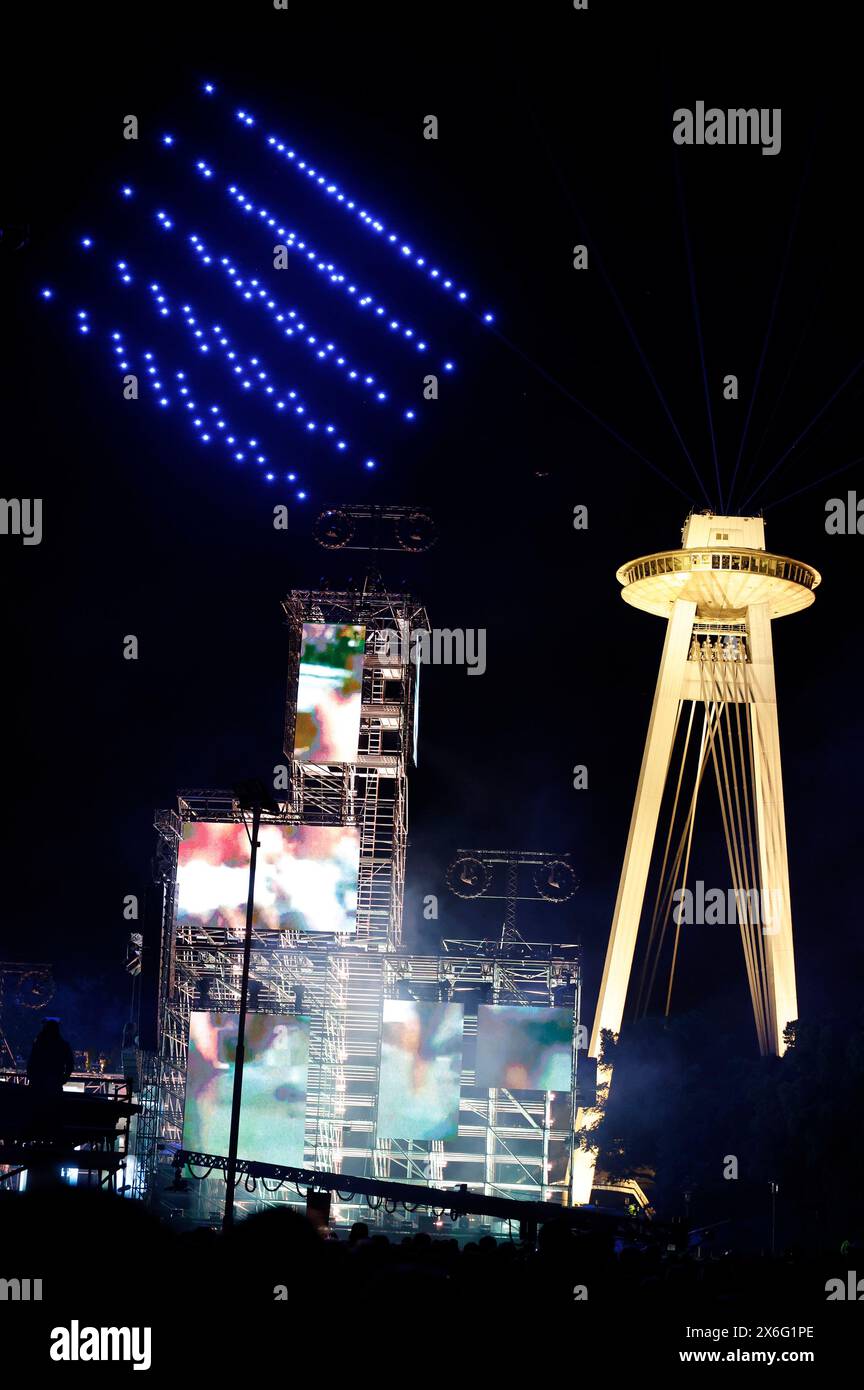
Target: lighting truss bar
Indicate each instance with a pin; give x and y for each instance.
(450, 1199)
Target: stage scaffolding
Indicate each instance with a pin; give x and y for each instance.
(297, 973)
(507, 1145)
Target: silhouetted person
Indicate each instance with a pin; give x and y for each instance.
(51, 1061)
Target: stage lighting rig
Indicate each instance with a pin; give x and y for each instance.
(375, 528)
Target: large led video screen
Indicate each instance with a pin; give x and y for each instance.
(421, 1066)
(327, 727)
(275, 1078)
(305, 877)
(524, 1047)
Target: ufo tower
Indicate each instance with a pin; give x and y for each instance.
(714, 715)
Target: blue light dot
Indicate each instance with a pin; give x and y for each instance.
(488, 318)
(167, 139)
(86, 241)
(370, 463)
(126, 191)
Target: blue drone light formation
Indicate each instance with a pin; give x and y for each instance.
(207, 429)
(214, 339)
(293, 330)
(331, 189)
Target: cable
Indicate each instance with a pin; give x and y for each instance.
(824, 479)
(806, 430)
(768, 331)
(691, 273)
(631, 331)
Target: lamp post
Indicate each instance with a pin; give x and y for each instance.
(774, 1190)
(252, 796)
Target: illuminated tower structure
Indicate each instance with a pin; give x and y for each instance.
(718, 594)
(334, 979)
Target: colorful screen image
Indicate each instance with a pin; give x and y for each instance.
(524, 1047)
(305, 877)
(327, 728)
(275, 1076)
(421, 1067)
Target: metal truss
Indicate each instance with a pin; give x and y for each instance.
(335, 982)
(452, 1201)
(508, 1146)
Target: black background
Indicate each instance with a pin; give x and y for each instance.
(555, 129)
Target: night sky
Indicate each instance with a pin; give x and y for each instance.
(551, 133)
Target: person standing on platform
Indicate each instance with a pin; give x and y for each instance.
(51, 1061)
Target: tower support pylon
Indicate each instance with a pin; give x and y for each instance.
(719, 595)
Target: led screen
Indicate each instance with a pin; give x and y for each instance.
(305, 877)
(328, 693)
(275, 1075)
(421, 1065)
(524, 1047)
